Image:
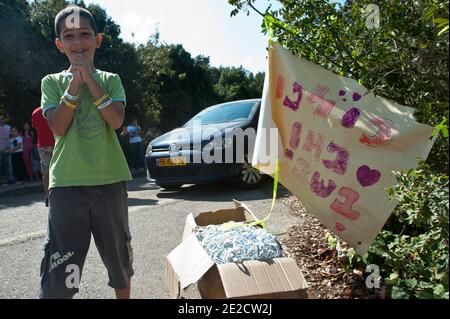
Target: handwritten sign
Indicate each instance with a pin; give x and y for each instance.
(338, 145)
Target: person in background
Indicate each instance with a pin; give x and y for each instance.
(136, 145)
(5, 155)
(36, 163)
(27, 149)
(16, 149)
(125, 144)
(45, 144)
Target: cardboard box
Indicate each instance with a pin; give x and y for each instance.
(190, 264)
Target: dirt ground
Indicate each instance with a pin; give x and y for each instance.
(326, 270)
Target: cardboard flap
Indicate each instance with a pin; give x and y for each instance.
(172, 282)
(189, 261)
(238, 204)
(221, 216)
(189, 226)
(257, 277)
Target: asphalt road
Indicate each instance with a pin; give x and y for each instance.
(157, 220)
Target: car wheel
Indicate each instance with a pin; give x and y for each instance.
(169, 186)
(249, 177)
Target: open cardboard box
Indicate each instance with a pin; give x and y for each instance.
(189, 263)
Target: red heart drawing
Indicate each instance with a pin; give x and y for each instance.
(339, 227)
(366, 176)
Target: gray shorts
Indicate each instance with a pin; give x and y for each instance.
(75, 213)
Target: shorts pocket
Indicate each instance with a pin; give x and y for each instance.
(129, 250)
(45, 263)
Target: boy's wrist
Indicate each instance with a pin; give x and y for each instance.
(73, 88)
(89, 78)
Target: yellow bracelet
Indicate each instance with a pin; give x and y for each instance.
(101, 100)
(69, 105)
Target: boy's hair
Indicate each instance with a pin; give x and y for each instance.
(64, 13)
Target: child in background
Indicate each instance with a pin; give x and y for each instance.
(16, 149)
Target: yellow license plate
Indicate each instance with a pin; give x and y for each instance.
(172, 161)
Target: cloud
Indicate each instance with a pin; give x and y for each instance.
(136, 28)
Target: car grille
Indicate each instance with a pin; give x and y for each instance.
(161, 149)
(166, 148)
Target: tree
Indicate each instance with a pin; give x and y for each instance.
(26, 62)
(164, 84)
(181, 84)
(235, 84)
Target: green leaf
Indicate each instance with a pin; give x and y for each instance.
(392, 280)
(411, 283)
(443, 31)
(351, 254)
(425, 294)
(439, 290)
(441, 127)
(399, 293)
(332, 241)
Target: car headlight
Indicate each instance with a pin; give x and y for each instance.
(149, 150)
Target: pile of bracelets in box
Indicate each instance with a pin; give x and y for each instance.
(238, 244)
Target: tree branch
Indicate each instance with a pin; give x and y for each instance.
(296, 36)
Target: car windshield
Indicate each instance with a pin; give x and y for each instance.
(232, 112)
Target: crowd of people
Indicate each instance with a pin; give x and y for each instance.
(21, 150)
(19, 155)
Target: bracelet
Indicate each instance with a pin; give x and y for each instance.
(70, 97)
(101, 100)
(69, 105)
(105, 104)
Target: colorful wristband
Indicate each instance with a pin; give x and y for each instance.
(69, 105)
(105, 104)
(70, 97)
(101, 100)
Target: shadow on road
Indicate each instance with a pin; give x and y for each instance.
(223, 191)
(140, 184)
(141, 202)
(216, 192)
(21, 201)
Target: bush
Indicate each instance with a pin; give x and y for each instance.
(412, 249)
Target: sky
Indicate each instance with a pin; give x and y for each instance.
(203, 27)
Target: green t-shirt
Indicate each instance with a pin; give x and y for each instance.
(89, 154)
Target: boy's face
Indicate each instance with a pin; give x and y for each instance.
(78, 41)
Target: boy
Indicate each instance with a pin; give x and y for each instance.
(83, 107)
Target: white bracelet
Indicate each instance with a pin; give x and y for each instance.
(70, 97)
(105, 104)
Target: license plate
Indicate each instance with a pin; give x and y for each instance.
(172, 161)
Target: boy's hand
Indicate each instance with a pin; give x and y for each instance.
(77, 79)
(81, 63)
